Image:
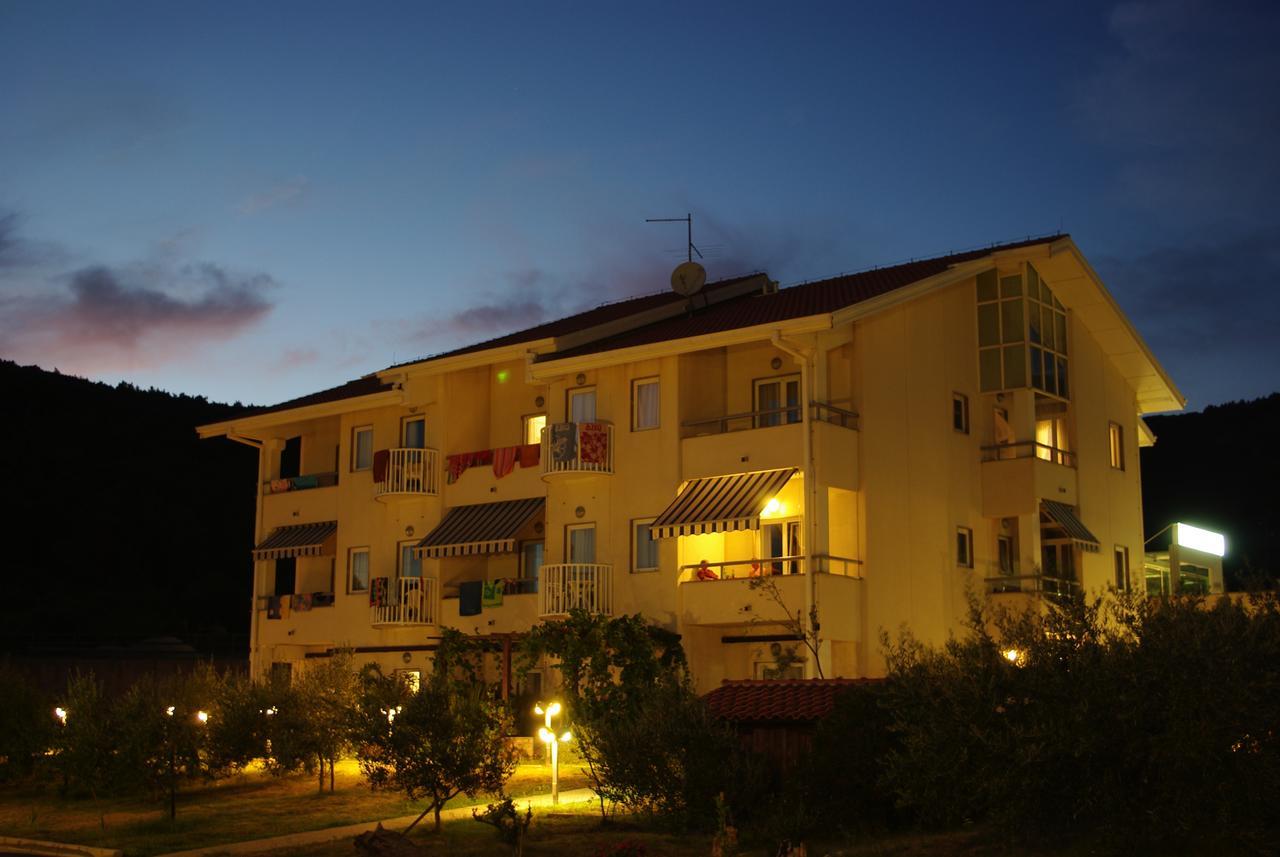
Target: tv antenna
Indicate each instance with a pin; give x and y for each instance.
(687, 219)
(689, 277)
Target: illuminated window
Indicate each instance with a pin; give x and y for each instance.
(644, 404)
(533, 426)
(964, 547)
(1052, 442)
(960, 412)
(1115, 433)
(358, 570)
(412, 679)
(362, 448)
(644, 548)
(1122, 568)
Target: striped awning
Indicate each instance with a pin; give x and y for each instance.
(480, 528)
(298, 540)
(1065, 517)
(717, 504)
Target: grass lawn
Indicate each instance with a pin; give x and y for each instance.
(252, 805)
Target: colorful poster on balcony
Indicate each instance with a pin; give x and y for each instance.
(564, 443)
(594, 441)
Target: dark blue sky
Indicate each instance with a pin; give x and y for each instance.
(256, 200)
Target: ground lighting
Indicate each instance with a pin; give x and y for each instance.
(549, 737)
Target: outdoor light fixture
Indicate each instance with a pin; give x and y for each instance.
(1014, 656)
(772, 509)
(61, 714)
(169, 711)
(391, 713)
(550, 738)
(1205, 541)
(202, 716)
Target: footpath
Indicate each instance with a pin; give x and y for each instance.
(350, 831)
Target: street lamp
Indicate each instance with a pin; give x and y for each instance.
(61, 714)
(550, 738)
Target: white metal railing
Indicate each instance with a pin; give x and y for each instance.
(575, 586)
(410, 471)
(410, 601)
(559, 458)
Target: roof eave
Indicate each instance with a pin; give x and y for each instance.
(247, 426)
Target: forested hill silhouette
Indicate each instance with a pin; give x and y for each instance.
(1220, 468)
(121, 524)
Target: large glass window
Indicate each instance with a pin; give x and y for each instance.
(777, 401)
(1022, 334)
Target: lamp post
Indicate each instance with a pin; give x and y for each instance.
(549, 737)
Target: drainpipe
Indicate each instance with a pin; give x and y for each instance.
(804, 356)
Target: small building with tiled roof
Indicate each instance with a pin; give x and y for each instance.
(866, 449)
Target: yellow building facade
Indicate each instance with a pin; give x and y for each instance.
(866, 450)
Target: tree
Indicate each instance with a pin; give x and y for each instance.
(327, 695)
(27, 724)
(447, 739)
(807, 632)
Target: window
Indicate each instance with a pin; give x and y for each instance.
(410, 563)
(533, 426)
(291, 458)
(960, 412)
(362, 448)
(777, 401)
(286, 575)
(1022, 333)
(779, 539)
(644, 404)
(644, 547)
(531, 554)
(281, 672)
(1051, 441)
(1115, 433)
(964, 547)
(1122, 568)
(412, 679)
(582, 405)
(413, 432)
(358, 570)
(1004, 554)
(581, 542)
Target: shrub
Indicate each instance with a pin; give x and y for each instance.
(26, 724)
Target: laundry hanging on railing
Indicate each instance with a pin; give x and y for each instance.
(564, 443)
(504, 460)
(593, 443)
(530, 454)
(457, 463)
(491, 595)
(379, 592)
(381, 459)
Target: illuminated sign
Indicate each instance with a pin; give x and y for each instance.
(1195, 538)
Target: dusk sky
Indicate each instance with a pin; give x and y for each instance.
(252, 201)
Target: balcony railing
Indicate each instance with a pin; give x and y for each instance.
(409, 471)
(409, 601)
(736, 569)
(1028, 449)
(299, 483)
(770, 417)
(575, 586)
(577, 448)
(1054, 587)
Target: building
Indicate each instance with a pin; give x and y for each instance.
(871, 448)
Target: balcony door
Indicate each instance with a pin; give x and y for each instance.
(780, 539)
(413, 433)
(410, 565)
(582, 405)
(777, 401)
(581, 543)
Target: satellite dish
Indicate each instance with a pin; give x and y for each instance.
(688, 278)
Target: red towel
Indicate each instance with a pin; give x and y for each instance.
(530, 455)
(504, 460)
(593, 443)
(381, 459)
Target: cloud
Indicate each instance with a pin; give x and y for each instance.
(1186, 104)
(99, 317)
(294, 190)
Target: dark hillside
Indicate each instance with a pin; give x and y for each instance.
(1220, 468)
(121, 524)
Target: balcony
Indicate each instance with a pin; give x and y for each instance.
(1021, 592)
(407, 601)
(575, 586)
(313, 497)
(728, 597)
(300, 483)
(771, 439)
(406, 473)
(577, 448)
(1017, 476)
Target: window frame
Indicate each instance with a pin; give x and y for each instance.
(782, 418)
(522, 569)
(1120, 557)
(525, 420)
(569, 529)
(356, 431)
(400, 554)
(636, 384)
(962, 400)
(569, 395)
(404, 425)
(368, 568)
(636, 568)
(964, 547)
(1115, 445)
(1001, 552)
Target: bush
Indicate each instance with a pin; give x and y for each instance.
(26, 724)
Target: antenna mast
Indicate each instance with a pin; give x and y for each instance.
(687, 219)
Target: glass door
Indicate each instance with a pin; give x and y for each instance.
(777, 401)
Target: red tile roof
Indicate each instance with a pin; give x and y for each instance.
(779, 700)
(814, 298)
(363, 386)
